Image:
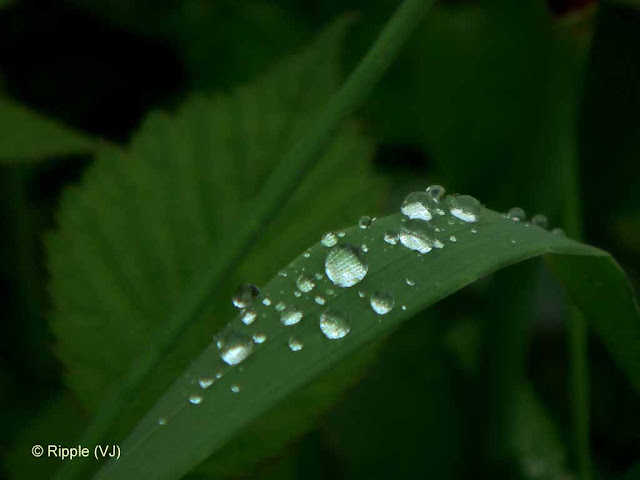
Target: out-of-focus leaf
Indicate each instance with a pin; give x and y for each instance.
(29, 136)
(132, 235)
(274, 371)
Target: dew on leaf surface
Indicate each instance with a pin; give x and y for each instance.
(205, 382)
(295, 345)
(248, 316)
(195, 399)
(245, 295)
(417, 235)
(234, 347)
(334, 323)
(364, 222)
(517, 214)
(329, 239)
(465, 207)
(540, 221)
(382, 302)
(418, 205)
(391, 237)
(291, 316)
(345, 265)
(305, 283)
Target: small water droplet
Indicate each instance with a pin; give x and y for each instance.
(540, 221)
(410, 281)
(205, 382)
(329, 239)
(162, 421)
(305, 283)
(248, 316)
(465, 207)
(364, 222)
(382, 302)
(295, 344)
(291, 316)
(559, 231)
(473, 230)
(281, 306)
(513, 241)
(364, 248)
(318, 276)
(453, 238)
(266, 301)
(345, 265)
(235, 388)
(418, 205)
(391, 237)
(259, 337)
(334, 323)
(341, 234)
(233, 346)
(517, 214)
(245, 295)
(282, 273)
(297, 293)
(306, 254)
(403, 307)
(195, 399)
(361, 294)
(417, 235)
(218, 375)
(319, 300)
(436, 192)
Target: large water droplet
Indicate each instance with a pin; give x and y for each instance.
(334, 323)
(391, 237)
(382, 302)
(329, 239)
(248, 316)
(418, 205)
(345, 265)
(195, 399)
(291, 316)
(305, 283)
(517, 214)
(465, 207)
(436, 192)
(295, 344)
(540, 220)
(364, 222)
(417, 235)
(233, 346)
(245, 295)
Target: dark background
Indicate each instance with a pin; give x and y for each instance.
(483, 99)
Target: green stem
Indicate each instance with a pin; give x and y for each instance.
(275, 192)
(577, 329)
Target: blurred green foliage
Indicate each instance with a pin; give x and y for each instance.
(489, 98)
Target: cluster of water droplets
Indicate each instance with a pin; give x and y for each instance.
(518, 214)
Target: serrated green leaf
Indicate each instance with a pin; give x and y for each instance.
(27, 136)
(132, 235)
(274, 371)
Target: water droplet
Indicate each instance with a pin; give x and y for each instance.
(540, 220)
(513, 241)
(282, 273)
(259, 337)
(306, 254)
(233, 346)
(329, 291)
(517, 214)
(345, 265)
(334, 323)
(391, 237)
(329, 239)
(417, 235)
(295, 344)
(291, 316)
(245, 295)
(436, 192)
(305, 283)
(453, 238)
(364, 248)
(318, 276)
(382, 302)
(297, 293)
(248, 316)
(473, 230)
(559, 231)
(341, 234)
(195, 399)
(218, 375)
(162, 421)
(410, 281)
(364, 222)
(361, 294)
(465, 207)
(418, 205)
(403, 307)
(319, 300)
(205, 382)
(235, 388)
(281, 306)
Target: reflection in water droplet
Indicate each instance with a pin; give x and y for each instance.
(245, 295)
(195, 399)
(233, 346)
(345, 265)
(329, 239)
(418, 205)
(248, 316)
(334, 323)
(259, 337)
(305, 283)
(465, 207)
(205, 382)
(391, 237)
(235, 388)
(540, 220)
(364, 222)
(295, 344)
(517, 214)
(382, 302)
(417, 235)
(319, 300)
(291, 316)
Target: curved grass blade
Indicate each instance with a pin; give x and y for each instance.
(190, 422)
